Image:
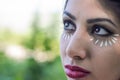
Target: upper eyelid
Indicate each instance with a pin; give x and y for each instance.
(106, 25)
(70, 21)
(101, 20)
(103, 27)
(67, 18)
(106, 28)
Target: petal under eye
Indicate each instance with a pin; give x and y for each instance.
(101, 31)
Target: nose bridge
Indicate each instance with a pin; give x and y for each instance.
(78, 45)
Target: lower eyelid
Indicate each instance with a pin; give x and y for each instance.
(102, 37)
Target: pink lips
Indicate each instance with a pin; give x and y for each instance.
(75, 72)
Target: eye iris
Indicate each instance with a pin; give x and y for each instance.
(69, 26)
(66, 24)
(97, 29)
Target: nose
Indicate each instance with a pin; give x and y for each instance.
(78, 47)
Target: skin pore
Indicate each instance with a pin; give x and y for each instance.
(91, 40)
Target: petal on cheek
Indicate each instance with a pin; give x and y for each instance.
(112, 40)
(66, 36)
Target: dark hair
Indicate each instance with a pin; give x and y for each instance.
(66, 4)
(113, 6)
(110, 5)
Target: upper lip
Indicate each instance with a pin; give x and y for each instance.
(76, 68)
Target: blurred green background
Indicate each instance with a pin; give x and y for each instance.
(29, 40)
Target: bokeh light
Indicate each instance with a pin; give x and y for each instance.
(29, 39)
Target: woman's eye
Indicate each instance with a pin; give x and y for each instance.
(69, 26)
(100, 31)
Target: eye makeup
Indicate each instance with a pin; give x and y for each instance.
(66, 36)
(103, 33)
(105, 42)
(69, 28)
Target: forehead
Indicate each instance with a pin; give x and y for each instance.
(82, 3)
(86, 8)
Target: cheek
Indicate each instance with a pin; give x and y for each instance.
(63, 46)
(64, 41)
(106, 63)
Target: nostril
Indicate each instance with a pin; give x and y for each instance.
(77, 58)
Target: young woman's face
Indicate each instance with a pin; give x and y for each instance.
(90, 43)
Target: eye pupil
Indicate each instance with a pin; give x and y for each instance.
(97, 29)
(66, 24)
(69, 26)
(101, 31)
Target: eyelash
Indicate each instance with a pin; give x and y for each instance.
(101, 34)
(102, 28)
(71, 27)
(68, 23)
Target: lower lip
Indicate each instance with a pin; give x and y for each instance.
(75, 74)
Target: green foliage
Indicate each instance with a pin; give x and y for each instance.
(44, 39)
(30, 69)
(10, 70)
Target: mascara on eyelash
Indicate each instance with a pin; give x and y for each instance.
(101, 31)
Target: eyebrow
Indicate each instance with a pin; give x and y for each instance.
(90, 21)
(70, 15)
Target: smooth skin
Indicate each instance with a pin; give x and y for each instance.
(79, 50)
